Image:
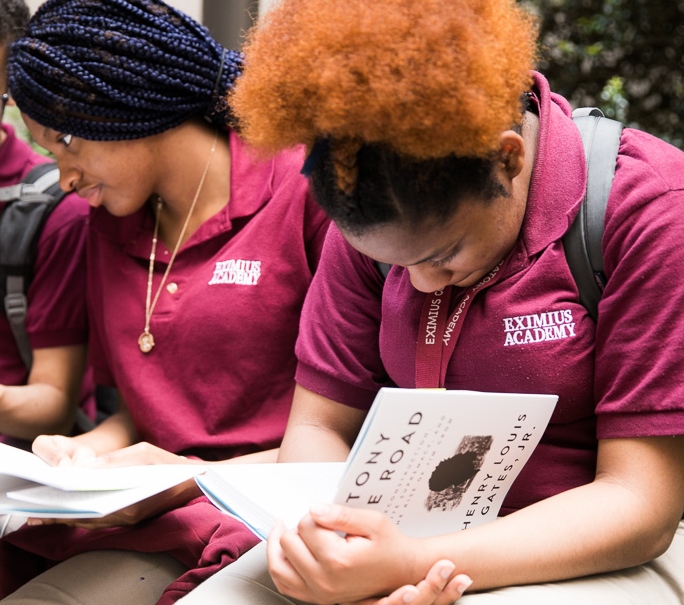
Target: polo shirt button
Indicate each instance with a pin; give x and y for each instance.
(172, 288)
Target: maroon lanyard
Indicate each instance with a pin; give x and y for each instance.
(437, 337)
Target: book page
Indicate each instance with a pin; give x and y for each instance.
(18, 463)
(9, 506)
(46, 501)
(258, 494)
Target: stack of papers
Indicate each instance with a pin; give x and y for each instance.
(31, 487)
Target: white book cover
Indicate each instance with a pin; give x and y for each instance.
(30, 486)
(433, 461)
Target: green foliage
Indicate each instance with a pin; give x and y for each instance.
(613, 99)
(624, 56)
(13, 117)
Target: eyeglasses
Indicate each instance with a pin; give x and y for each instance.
(3, 101)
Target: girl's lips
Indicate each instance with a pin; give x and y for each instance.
(93, 194)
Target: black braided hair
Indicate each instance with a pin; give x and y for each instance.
(119, 69)
(392, 187)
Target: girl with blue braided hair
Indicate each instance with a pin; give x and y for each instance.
(199, 257)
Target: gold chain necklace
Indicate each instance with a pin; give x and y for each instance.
(146, 340)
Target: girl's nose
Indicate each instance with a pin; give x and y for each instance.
(428, 279)
(68, 178)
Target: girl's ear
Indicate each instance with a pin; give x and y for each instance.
(511, 153)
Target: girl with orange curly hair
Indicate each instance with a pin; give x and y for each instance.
(425, 157)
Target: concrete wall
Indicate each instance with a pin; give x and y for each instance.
(194, 8)
(191, 7)
(228, 20)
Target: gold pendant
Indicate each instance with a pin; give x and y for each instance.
(146, 342)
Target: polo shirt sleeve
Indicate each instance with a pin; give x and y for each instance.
(640, 332)
(338, 346)
(57, 295)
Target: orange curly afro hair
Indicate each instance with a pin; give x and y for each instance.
(428, 78)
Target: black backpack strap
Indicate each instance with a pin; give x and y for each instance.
(43, 178)
(383, 268)
(583, 242)
(28, 205)
(16, 309)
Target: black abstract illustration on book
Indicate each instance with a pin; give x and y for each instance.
(453, 476)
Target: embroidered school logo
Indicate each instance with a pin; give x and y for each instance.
(236, 271)
(542, 327)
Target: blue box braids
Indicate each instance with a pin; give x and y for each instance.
(119, 69)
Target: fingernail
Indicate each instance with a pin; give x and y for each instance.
(463, 584)
(408, 596)
(446, 571)
(34, 522)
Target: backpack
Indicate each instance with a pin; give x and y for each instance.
(582, 242)
(29, 204)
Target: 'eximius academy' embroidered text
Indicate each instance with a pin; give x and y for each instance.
(236, 271)
(541, 327)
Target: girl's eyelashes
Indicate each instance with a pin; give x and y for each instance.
(65, 139)
(442, 261)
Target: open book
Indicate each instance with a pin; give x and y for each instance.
(29, 486)
(433, 461)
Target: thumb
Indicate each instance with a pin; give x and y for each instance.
(344, 519)
(52, 449)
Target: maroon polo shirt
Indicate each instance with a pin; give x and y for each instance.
(219, 381)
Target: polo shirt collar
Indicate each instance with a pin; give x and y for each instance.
(559, 175)
(251, 183)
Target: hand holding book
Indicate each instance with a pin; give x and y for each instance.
(370, 540)
(58, 450)
(30, 486)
